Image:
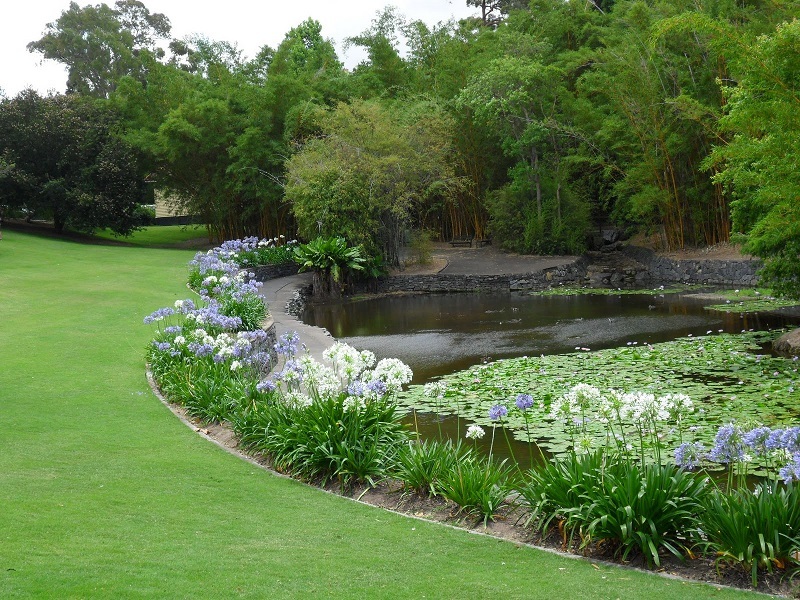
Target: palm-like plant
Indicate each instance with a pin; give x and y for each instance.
(330, 259)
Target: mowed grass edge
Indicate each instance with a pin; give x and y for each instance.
(105, 494)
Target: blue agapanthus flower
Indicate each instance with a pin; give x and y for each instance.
(498, 411)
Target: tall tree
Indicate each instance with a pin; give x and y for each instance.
(68, 164)
(100, 44)
(757, 158)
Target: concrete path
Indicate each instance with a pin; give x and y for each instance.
(277, 293)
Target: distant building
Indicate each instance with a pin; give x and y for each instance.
(168, 211)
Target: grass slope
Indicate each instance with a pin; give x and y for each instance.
(159, 235)
(104, 494)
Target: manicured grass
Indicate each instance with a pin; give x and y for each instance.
(104, 494)
(160, 236)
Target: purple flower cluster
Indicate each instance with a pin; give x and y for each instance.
(791, 472)
(524, 401)
(159, 315)
(498, 411)
(266, 386)
(689, 455)
(287, 344)
(728, 445)
(731, 445)
(376, 388)
(210, 317)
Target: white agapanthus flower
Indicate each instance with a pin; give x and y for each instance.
(435, 389)
(475, 432)
(392, 371)
(348, 363)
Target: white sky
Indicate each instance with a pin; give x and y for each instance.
(250, 24)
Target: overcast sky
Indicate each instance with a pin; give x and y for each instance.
(249, 23)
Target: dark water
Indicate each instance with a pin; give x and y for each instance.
(437, 334)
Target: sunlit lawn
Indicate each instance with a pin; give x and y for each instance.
(105, 494)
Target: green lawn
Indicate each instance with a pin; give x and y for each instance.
(105, 494)
(159, 235)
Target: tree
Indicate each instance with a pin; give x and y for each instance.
(371, 174)
(493, 11)
(525, 99)
(100, 44)
(759, 161)
(385, 73)
(68, 164)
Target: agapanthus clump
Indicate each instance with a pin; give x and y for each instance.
(586, 412)
(690, 455)
(392, 371)
(728, 445)
(347, 362)
(346, 377)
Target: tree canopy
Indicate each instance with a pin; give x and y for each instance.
(64, 161)
(533, 123)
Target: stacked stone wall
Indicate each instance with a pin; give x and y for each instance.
(708, 271)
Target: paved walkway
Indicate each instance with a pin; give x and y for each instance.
(456, 261)
(278, 293)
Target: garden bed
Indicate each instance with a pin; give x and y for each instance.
(507, 525)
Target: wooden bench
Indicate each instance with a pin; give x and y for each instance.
(483, 242)
(465, 241)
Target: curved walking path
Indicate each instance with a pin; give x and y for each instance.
(457, 261)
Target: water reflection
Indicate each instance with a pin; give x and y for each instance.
(437, 334)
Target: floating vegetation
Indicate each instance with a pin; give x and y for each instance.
(594, 291)
(750, 301)
(728, 377)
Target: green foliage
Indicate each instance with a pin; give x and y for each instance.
(374, 170)
(65, 162)
(331, 255)
(422, 464)
(757, 164)
(555, 488)
(269, 254)
(641, 510)
(208, 393)
(755, 530)
(478, 484)
(250, 308)
(421, 247)
(326, 439)
(100, 44)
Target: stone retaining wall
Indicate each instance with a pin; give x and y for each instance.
(573, 273)
(655, 269)
(712, 272)
(267, 272)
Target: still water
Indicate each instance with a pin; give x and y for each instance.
(436, 334)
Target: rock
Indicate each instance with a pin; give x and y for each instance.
(788, 344)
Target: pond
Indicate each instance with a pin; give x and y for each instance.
(438, 334)
(443, 334)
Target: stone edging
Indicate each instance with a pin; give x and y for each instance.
(707, 271)
(654, 269)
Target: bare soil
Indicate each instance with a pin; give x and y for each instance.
(721, 251)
